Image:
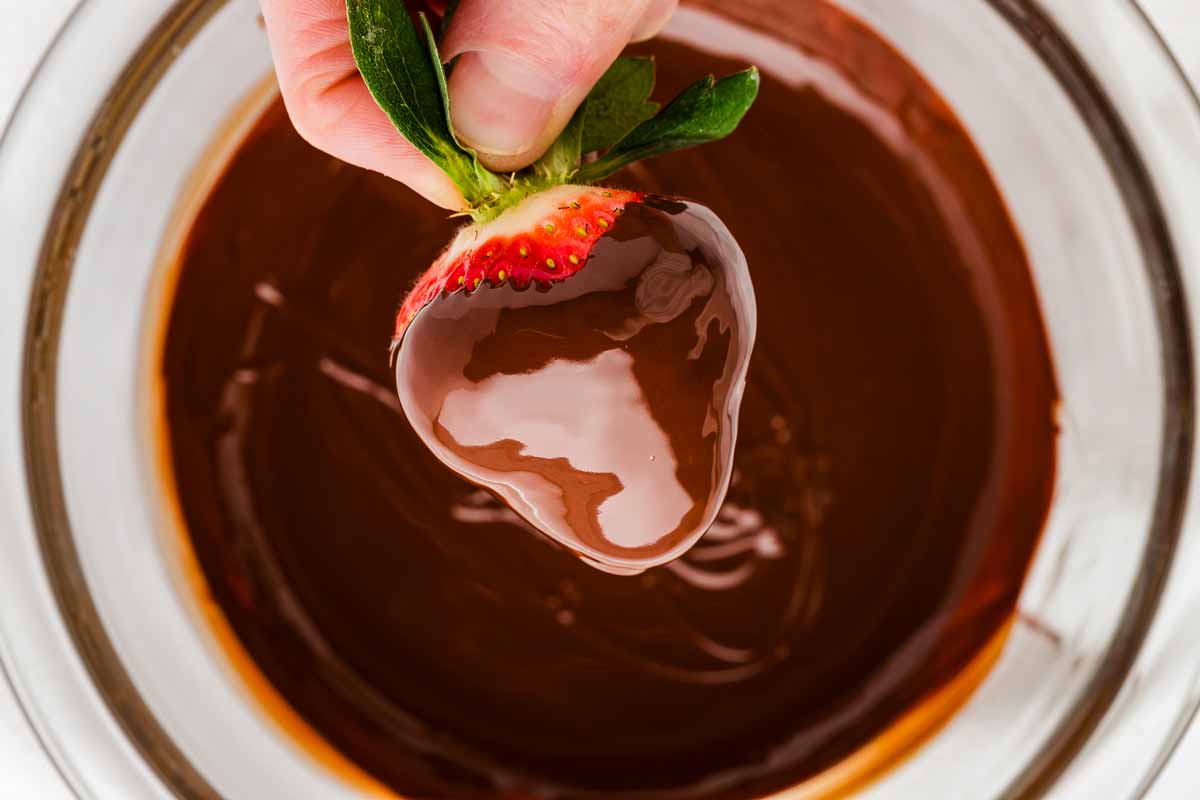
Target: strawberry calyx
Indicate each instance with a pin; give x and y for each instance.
(616, 125)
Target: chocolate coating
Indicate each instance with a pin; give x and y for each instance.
(603, 408)
(894, 466)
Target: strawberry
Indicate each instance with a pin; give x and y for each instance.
(635, 343)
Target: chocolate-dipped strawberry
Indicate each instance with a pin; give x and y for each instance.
(579, 350)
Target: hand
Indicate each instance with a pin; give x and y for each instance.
(524, 67)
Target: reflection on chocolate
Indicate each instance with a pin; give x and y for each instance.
(890, 482)
(602, 410)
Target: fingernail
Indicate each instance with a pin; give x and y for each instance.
(656, 16)
(499, 104)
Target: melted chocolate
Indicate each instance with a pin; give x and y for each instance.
(891, 478)
(602, 409)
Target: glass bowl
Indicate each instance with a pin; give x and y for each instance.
(131, 680)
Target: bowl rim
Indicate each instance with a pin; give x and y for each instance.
(1128, 167)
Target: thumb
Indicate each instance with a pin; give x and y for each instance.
(524, 66)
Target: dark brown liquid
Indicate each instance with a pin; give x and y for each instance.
(603, 410)
(894, 466)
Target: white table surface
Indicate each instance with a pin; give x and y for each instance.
(26, 30)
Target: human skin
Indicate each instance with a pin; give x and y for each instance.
(523, 68)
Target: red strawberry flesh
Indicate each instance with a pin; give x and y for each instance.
(546, 239)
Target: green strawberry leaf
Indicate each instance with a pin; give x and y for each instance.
(561, 161)
(482, 176)
(406, 80)
(618, 103)
(397, 69)
(439, 73)
(706, 111)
